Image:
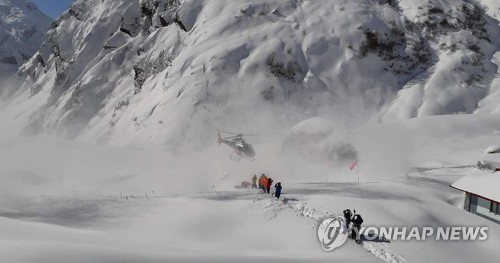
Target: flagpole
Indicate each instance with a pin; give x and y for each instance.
(355, 165)
(357, 170)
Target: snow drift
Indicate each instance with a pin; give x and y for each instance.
(493, 149)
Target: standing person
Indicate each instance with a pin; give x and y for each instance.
(357, 220)
(348, 218)
(263, 182)
(269, 183)
(278, 187)
(254, 181)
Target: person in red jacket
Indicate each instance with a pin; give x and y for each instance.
(269, 183)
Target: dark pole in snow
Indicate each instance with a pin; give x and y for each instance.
(357, 170)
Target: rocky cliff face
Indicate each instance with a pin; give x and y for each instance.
(22, 31)
(170, 71)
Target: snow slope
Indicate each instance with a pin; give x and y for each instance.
(158, 72)
(22, 31)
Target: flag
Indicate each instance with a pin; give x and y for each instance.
(353, 165)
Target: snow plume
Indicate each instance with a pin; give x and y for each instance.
(318, 141)
(48, 166)
(321, 149)
(385, 152)
(166, 74)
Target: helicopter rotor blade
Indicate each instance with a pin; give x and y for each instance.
(229, 132)
(256, 135)
(236, 135)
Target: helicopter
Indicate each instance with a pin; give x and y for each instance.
(241, 148)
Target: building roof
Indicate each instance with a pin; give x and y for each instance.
(484, 184)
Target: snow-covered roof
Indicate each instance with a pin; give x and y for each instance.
(484, 184)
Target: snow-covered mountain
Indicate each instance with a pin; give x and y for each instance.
(22, 31)
(319, 74)
(171, 71)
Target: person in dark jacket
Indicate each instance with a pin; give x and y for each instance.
(269, 183)
(357, 220)
(278, 187)
(254, 181)
(347, 217)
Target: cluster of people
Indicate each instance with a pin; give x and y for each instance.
(353, 223)
(265, 184)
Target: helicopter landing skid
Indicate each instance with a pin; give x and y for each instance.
(237, 158)
(234, 157)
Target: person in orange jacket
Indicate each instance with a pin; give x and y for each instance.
(263, 182)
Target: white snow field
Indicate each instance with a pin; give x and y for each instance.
(63, 201)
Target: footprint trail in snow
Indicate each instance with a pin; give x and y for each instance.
(272, 207)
